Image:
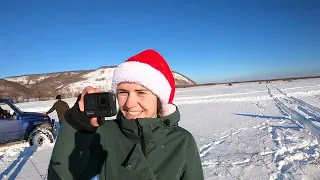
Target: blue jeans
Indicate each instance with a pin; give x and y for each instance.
(55, 133)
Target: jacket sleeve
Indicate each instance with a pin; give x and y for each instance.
(52, 108)
(77, 153)
(193, 164)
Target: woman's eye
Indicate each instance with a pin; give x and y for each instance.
(141, 93)
(122, 93)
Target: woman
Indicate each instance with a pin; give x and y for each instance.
(144, 142)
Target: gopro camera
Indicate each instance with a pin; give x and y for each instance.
(100, 104)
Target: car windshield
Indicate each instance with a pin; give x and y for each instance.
(12, 106)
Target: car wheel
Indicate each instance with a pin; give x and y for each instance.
(40, 136)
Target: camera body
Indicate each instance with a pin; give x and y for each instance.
(100, 104)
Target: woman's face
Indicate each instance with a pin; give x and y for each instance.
(136, 101)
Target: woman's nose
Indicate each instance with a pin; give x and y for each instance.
(131, 101)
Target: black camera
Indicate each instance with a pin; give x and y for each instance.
(100, 104)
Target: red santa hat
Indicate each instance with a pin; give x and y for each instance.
(149, 69)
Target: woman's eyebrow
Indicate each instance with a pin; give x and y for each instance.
(134, 90)
(141, 90)
(121, 90)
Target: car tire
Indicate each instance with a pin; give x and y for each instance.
(40, 136)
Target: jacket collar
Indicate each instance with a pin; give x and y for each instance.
(150, 126)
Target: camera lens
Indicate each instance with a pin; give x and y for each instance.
(103, 101)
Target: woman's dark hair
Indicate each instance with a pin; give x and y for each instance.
(159, 107)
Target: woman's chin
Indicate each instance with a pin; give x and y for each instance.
(129, 116)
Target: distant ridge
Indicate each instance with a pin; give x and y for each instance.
(67, 83)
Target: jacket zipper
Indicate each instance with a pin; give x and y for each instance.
(140, 133)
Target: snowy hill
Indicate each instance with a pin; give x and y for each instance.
(12, 89)
(71, 83)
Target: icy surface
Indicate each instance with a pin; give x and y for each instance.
(244, 131)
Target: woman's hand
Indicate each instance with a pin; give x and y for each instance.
(89, 90)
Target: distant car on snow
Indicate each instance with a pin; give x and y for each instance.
(35, 128)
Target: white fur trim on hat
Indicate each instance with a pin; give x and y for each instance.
(143, 74)
(168, 109)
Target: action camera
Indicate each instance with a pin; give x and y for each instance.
(100, 104)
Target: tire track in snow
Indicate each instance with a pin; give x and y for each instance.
(309, 109)
(312, 115)
(299, 118)
(292, 149)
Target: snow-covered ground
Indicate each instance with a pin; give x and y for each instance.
(243, 131)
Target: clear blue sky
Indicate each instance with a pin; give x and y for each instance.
(206, 40)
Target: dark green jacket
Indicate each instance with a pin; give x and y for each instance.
(121, 149)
